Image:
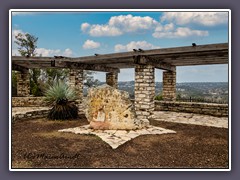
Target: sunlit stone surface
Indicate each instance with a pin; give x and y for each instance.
(110, 108)
(115, 138)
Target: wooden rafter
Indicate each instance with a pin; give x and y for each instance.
(165, 58)
(147, 60)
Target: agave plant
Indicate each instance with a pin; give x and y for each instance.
(61, 97)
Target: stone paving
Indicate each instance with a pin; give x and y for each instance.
(116, 138)
(191, 118)
(24, 110)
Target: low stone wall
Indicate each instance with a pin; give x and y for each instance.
(28, 102)
(193, 107)
(30, 115)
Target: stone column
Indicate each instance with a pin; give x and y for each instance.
(169, 86)
(112, 79)
(76, 82)
(144, 91)
(23, 83)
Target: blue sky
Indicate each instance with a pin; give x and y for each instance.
(76, 34)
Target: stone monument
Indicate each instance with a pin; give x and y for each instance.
(108, 108)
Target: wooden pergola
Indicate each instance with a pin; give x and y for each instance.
(166, 58)
(144, 62)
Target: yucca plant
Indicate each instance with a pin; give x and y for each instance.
(61, 97)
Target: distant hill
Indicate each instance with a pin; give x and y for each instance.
(212, 91)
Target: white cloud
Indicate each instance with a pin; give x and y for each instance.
(90, 44)
(15, 52)
(85, 27)
(134, 45)
(118, 25)
(67, 52)
(47, 52)
(203, 18)
(39, 51)
(52, 52)
(129, 23)
(104, 30)
(169, 31)
(15, 32)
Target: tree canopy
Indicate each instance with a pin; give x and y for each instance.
(27, 44)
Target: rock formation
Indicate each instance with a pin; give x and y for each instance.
(110, 108)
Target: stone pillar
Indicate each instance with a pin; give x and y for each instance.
(112, 79)
(169, 86)
(23, 83)
(144, 91)
(76, 82)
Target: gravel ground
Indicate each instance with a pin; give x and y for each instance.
(38, 144)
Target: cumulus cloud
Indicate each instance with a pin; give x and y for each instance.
(90, 44)
(202, 18)
(52, 52)
(67, 52)
(47, 52)
(118, 25)
(134, 45)
(39, 51)
(129, 23)
(104, 30)
(85, 27)
(15, 32)
(169, 31)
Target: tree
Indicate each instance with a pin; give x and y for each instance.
(89, 80)
(27, 45)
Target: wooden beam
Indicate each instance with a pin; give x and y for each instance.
(19, 68)
(93, 67)
(42, 64)
(180, 56)
(164, 51)
(145, 60)
(113, 56)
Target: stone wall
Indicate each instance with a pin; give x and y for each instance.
(28, 102)
(30, 115)
(23, 83)
(192, 107)
(169, 86)
(76, 82)
(112, 79)
(144, 90)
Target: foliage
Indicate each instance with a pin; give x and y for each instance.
(178, 96)
(14, 83)
(159, 97)
(27, 44)
(61, 97)
(35, 87)
(89, 80)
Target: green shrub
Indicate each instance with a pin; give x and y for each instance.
(159, 97)
(62, 99)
